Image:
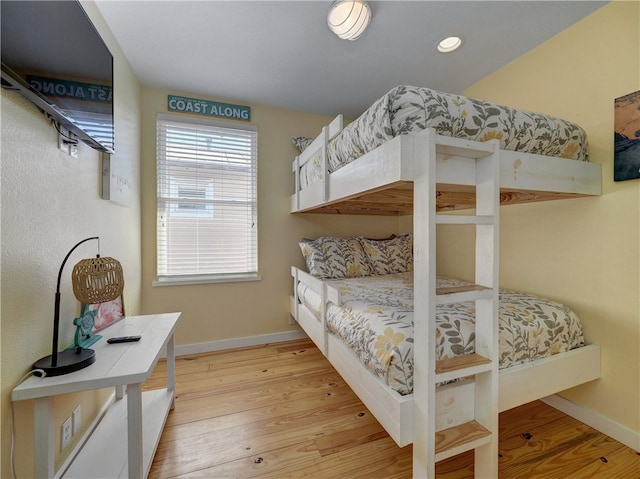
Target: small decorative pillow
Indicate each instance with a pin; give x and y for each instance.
(333, 258)
(394, 255)
(301, 142)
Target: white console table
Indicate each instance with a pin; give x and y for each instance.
(125, 440)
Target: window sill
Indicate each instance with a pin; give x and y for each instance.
(222, 278)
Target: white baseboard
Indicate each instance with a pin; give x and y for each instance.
(601, 423)
(220, 345)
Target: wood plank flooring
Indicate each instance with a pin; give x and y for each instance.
(281, 411)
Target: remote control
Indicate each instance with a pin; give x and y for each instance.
(124, 339)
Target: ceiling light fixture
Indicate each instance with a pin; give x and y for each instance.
(449, 44)
(349, 18)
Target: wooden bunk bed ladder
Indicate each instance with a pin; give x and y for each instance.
(481, 433)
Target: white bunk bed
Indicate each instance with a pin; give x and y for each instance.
(518, 384)
(429, 168)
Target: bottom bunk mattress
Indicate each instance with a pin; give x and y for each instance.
(375, 320)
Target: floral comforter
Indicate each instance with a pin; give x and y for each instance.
(408, 109)
(376, 322)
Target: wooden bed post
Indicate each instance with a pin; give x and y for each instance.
(296, 173)
(325, 164)
(424, 277)
(487, 275)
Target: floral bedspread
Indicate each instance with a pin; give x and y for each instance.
(407, 109)
(376, 322)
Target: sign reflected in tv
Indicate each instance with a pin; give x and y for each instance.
(626, 159)
(53, 55)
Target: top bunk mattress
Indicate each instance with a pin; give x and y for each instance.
(409, 109)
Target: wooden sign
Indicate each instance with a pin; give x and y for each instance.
(208, 108)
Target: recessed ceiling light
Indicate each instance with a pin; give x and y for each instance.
(449, 44)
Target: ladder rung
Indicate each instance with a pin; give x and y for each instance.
(450, 145)
(461, 366)
(459, 439)
(460, 294)
(464, 220)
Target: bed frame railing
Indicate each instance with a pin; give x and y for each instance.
(320, 335)
(320, 144)
(524, 178)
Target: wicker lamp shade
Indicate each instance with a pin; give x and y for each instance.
(97, 280)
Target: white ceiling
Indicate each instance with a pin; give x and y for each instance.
(282, 54)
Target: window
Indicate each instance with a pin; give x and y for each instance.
(181, 188)
(207, 200)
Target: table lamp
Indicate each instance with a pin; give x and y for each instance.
(95, 280)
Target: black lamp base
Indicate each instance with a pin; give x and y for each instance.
(69, 361)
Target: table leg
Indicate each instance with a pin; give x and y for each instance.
(43, 429)
(171, 367)
(134, 418)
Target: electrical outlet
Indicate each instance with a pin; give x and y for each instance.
(65, 438)
(77, 419)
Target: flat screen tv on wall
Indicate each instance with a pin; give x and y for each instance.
(54, 56)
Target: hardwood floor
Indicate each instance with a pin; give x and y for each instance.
(281, 411)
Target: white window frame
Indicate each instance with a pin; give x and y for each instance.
(170, 197)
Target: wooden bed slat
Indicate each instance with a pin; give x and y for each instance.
(398, 201)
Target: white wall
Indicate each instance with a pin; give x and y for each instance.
(583, 252)
(50, 201)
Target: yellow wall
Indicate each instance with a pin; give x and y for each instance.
(221, 311)
(584, 252)
(50, 201)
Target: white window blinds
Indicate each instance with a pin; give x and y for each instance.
(207, 199)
